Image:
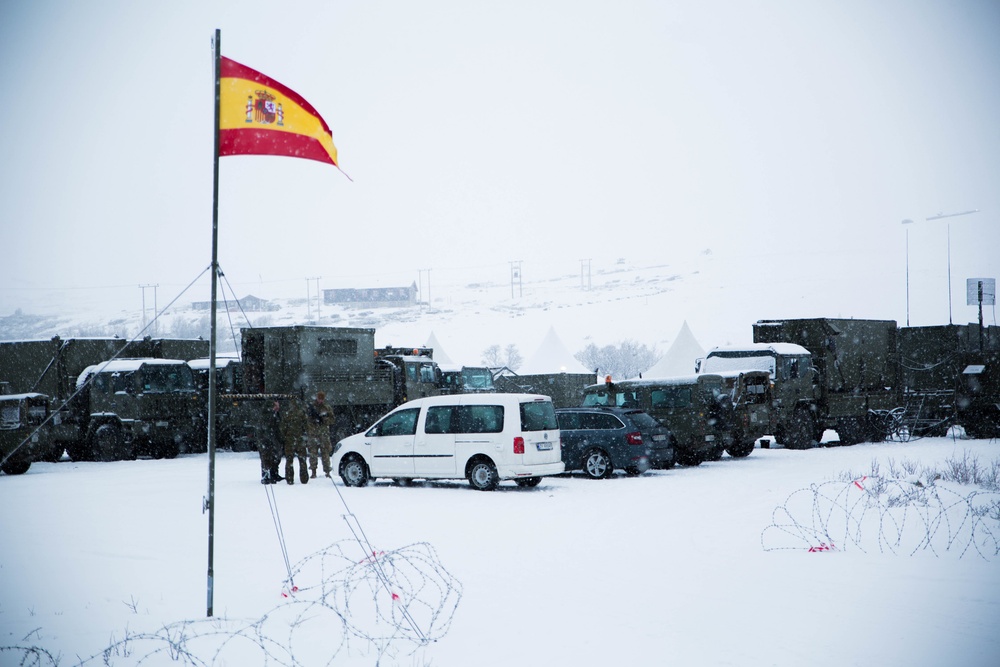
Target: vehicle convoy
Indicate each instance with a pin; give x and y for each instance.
(867, 379)
(22, 438)
(484, 438)
(600, 440)
(361, 383)
(707, 414)
(110, 398)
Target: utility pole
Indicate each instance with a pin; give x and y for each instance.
(144, 321)
(318, 298)
(515, 278)
(420, 286)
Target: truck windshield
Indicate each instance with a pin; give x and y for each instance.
(477, 378)
(161, 379)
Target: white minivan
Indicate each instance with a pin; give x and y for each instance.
(484, 438)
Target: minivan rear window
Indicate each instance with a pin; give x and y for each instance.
(538, 416)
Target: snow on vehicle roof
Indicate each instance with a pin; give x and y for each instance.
(21, 397)
(125, 365)
(774, 348)
(203, 364)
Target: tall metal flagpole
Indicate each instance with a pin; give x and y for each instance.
(209, 502)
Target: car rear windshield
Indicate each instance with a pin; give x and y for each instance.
(642, 420)
(538, 416)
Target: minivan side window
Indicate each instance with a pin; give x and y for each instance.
(538, 416)
(439, 419)
(403, 422)
(480, 419)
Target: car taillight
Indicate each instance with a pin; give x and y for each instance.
(519, 445)
(633, 438)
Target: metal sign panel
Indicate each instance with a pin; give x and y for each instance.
(989, 291)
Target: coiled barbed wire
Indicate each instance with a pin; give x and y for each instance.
(349, 610)
(896, 516)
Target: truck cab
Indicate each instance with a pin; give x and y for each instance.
(135, 406)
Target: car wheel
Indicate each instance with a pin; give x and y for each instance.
(108, 443)
(483, 476)
(597, 464)
(528, 482)
(354, 472)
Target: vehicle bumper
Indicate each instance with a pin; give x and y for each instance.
(540, 470)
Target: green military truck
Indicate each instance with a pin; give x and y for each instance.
(114, 412)
(707, 414)
(361, 382)
(23, 439)
(839, 374)
(565, 389)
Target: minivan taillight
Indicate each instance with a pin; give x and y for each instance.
(518, 445)
(633, 438)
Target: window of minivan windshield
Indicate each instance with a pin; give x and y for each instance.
(538, 416)
(403, 422)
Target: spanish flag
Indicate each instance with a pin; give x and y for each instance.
(259, 116)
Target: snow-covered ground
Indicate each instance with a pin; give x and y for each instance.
(690, 566)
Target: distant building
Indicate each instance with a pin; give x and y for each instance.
(372, 297)
(249, 303)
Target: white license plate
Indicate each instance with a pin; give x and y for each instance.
(659, 438)
(543, 446)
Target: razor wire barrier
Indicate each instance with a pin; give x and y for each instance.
(895, 516)
(348, 612)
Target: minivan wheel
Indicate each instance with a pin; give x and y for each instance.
(597, 464)
(483, 476)
(354, 472)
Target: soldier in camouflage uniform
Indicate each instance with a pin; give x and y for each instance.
(270, 446)
(318, 434)
(293, 434)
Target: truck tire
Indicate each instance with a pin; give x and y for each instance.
(741, 448)
(800, 431)
(108, 444)
(15, 467)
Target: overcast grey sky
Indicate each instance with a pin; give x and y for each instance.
(477, 133)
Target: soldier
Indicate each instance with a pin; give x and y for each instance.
(269, 446)
(293, 434)
(318, 434)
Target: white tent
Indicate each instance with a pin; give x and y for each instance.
(440, 356)
(680, 358)
(552, 356)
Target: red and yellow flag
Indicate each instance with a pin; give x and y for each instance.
(259, 116)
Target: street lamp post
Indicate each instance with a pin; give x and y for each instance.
(939, 216)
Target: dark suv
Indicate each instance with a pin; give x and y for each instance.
(599, 440)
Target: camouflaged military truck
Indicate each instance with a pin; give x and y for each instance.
(142, 406)
(23, 439)
(361, 382)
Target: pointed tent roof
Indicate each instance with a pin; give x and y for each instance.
(440, 356)
(552, 356)
(679, 359)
